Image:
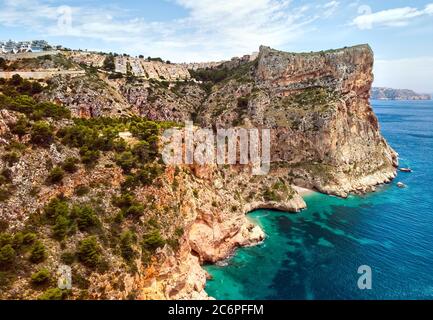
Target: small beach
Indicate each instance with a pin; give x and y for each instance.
(303, 191)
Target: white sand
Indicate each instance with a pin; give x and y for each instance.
(303, 191)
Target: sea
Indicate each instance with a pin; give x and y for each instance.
(375, 246)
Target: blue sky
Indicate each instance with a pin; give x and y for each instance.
(400, 32)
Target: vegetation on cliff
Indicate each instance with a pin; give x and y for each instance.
(109, 222)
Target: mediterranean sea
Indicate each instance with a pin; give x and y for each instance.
(316, 254)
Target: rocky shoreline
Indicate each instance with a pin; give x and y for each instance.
(210, 240)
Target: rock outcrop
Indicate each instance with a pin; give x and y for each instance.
(324, 131)
(88, 95)
(216, 225)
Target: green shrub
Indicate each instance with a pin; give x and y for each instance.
(41, 133)
(70, 165)
(179, 232)
(126, 160)
(109, 64)
(37, 115)
(157, 59)
(2, 63)
(29, 238)
(119, 145)
(115, 75)
(128, 205)
(130, 182)
(61, 227)
(89, 157)
(16, 80)
(40, 277)
(135, 210)
(147, 131)
(210, 75)
(271, 195)
(152, 241)
(17, 240)
(56, 207)
(86, 217)
(126, 242)
(37, 252)
(124, 201)
(77, 136)
(53, 294)
(89, 252)
(56, 175)
(5, 238)
(36, 88)
(81, 190)
(24, 87)
(153, 223)
(51, 110)
(67, 258)
(5, 176)
(7, 255)
(15, 145)
(11, 158)
(119, 217)
(242, 103)
(148, 174)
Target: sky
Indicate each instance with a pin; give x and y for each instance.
(400, 32)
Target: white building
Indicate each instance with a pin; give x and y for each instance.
(23, 46)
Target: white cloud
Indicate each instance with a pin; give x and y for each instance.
(212, 29)
(429, 8)
(330, 8)
(396, 17)
(25, 12)
(229, 28)
(409, 73)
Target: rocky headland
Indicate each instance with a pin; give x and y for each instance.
(152, 225)
(397, 94)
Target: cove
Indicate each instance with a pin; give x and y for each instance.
(316, 254)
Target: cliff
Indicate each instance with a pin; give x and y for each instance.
(324, 131)
(397, 94)
(131, 227)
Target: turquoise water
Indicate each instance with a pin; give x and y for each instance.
(316, 254)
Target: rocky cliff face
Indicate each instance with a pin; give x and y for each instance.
(324, 135)
(324, 131)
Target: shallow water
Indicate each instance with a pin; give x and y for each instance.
(316, 254)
